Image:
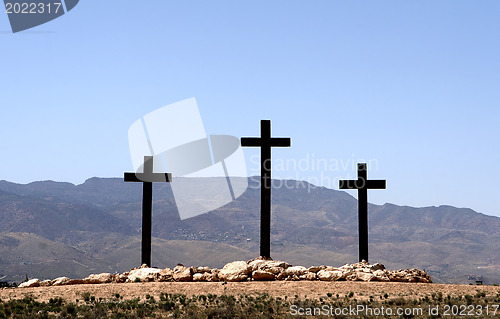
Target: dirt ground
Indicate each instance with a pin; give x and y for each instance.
(304, 289)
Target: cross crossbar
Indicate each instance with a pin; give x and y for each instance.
(362, 184)
(270, 142)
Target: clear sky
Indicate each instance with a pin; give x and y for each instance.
(413, 87)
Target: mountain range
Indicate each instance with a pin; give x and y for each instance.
(50, 229)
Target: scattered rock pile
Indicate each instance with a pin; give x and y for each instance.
(259, 269)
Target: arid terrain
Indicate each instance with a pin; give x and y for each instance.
(312, 290)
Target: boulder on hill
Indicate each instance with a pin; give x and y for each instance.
(259, 269)
(30, 283)
(235, 271)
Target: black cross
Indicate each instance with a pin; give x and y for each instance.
(362, 184)
(147, 179)
(265, 142)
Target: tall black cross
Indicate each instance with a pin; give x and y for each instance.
(362, 184)
(265, 142)
(147, 179)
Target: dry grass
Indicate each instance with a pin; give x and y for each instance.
(232, 300)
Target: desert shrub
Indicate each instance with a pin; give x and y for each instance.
(86, 296)
(167, 305)
(439, 296)
(480, 294)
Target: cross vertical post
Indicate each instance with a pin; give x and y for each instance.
(147, 178)
(362, 213)
(265, 191)
(362, 184)
(265, 142)
(147, 212)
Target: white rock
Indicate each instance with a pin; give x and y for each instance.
(121, 278)
(143, 274)
(235, 271)
(346, 272)
(30, 283)
(309, 276)
(315, 269)
(329, 275)
(166, 275)
(380, 275)
(98, 278)
(199, 276)
(260, 264)
(183, 273)
(365, 276)
(331, 268)
(60, 281)
(211, 276)
(295, 270)
(202, 269)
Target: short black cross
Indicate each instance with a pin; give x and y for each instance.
(362, 184)
(147, 179)
(265, 142)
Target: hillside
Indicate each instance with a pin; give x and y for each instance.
(97, 224)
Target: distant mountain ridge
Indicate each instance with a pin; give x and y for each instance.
(101, 220)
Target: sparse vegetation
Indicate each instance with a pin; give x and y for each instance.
(221, 306)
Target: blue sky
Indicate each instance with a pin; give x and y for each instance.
(411, 86)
